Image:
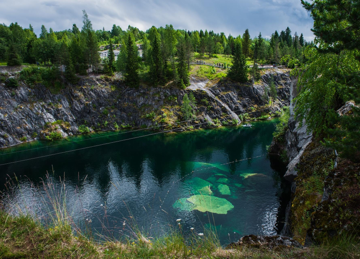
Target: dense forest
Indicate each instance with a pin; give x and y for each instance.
(166, 52)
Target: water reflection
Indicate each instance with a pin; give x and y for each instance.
(112, 188)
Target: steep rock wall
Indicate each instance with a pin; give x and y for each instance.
(96, 104)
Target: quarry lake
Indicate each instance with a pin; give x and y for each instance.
(218, 179)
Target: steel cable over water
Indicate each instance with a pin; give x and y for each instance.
(99, 145)
(92, 138)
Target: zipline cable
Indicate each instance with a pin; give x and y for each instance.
(99, 145)
(121, 133)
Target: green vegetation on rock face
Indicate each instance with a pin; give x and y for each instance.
(210, 204)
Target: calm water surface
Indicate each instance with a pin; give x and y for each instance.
(149, 183)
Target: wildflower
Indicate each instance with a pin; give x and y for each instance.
(178, 220)
(201, 234)
(124, 223)
(101, 205)
(191, 229)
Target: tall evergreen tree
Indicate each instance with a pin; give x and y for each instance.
(93, 57)
(246, 43)
(43, 33)
(132, 66)
(111, 57)
(122, 58)
(87, 26)
(75, 29)
(238, 71)
(157, 66)
(182, 68)
(146, 50)
(13, 58)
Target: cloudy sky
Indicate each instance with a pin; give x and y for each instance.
(229, 16)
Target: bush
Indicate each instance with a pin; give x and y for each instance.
(11, 83)
(83, 129)
(105, 112)
(55, 135)
(23, 139)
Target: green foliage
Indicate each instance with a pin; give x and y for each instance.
(282, 125)
(11, 83)
(23, 139)
(186, 108)
(150, 115)
(132, 66)
(273, 91)
(238, 71)
(105, 112)
(83, 129)
(325, 88)
(55, 135)
(13, 56)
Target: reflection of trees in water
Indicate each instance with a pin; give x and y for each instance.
(166, 155)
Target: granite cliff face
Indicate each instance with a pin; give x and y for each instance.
(100, 104)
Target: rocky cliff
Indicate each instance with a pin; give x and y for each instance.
(103, 104)
(325, 188)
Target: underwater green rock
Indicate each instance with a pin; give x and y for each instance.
(204, 203)
(183, 204)
(224, 189)
(199, 165)
(247, 175)
(239, 185)
(223, 180)
(199, 186)
(205, 191)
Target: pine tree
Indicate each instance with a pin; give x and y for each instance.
(93, 57)
(182, 67)
(246, 43)
(186, 108)
(111, 58)
(238, 71)
(122, 58)
(146, 50)
(132, 66)
(13, 58)
(273, 91)
(43, 33)
(156, 66)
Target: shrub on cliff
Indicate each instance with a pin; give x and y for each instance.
(11, 83)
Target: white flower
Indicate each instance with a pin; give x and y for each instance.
(191, 229)
(124, 223)
(178, 220)
(101, 205)
(201, 234)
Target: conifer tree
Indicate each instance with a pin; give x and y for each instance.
(186, 107)
(132, 66)
(246, 43)
(182, 68)
(273, 91)
(156, 66)
(238, 71)
(146, 50)
(111, 58)
(13, 58)
(122, 58)
(43, 33)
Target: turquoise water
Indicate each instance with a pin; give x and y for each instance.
(205, 178)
